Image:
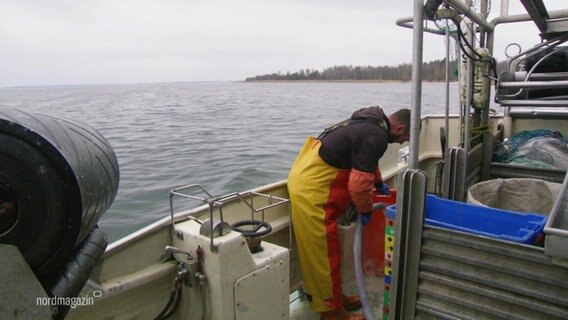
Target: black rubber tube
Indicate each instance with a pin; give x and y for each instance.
(76, 273)
(57, 178)
(171, 307)
(176, 304)
(171, 299)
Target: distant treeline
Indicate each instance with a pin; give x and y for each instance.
(431, 71)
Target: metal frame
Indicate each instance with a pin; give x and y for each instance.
(538, 13)
(455, 172)
(556, 228)
(408, 240)
(219, 201)
(410, 218)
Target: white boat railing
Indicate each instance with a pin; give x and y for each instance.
(212, 228)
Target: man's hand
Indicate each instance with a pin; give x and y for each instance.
(382, 188)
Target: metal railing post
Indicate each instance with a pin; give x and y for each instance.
(416, 104)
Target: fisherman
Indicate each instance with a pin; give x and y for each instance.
(330, 172)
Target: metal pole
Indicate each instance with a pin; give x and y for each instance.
(556, 14)
(416, 102)
(407, 22)
(504, 8)
(447, 119)
(469, 91)
(485, 111)
(483, 33)
(465, 8)
(487, 136)
(460, 87)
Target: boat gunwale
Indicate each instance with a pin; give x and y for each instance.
(165, 222)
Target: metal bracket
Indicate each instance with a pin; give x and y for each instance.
(219, 228)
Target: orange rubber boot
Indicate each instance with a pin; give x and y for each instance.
(351, 303)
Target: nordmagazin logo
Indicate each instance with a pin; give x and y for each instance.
(72, 302)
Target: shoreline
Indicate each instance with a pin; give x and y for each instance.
(333, 81)
(328, 81)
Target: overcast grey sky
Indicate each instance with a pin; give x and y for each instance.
(130, 41)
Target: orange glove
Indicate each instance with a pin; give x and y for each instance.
(361, 189)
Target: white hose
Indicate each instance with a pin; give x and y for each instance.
(359, 271)
(359, 265)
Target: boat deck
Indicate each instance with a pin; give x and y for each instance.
(300, 306)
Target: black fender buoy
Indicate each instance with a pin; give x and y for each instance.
(57, 178)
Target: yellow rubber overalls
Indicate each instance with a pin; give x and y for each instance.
(318, 195)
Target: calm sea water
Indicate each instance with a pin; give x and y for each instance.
(226, 136)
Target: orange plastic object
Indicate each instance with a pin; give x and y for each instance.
(373, 239)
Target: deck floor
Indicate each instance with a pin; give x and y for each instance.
(300, 306)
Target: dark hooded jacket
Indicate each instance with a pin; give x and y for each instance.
(357, 143)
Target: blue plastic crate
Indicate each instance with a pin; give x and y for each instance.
(486, 221)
